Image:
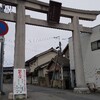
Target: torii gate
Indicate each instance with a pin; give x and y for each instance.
(21, 19)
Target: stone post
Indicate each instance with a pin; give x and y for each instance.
(78, 60)
(19, 57)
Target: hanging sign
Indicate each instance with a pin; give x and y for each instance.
(53, 15)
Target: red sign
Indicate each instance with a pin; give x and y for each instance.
(3, 28)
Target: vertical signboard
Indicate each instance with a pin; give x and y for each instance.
(54, 12)
(19, 83)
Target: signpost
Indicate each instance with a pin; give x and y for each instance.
(3, 31)
(19, 82)
(3, 28)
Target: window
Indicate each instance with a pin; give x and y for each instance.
(98, 44)
(95, 45)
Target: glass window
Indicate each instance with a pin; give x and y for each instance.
(99, 44)
(94, 46)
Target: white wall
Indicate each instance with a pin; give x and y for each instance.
(91, 59)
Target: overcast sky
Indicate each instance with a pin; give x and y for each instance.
(39, 39)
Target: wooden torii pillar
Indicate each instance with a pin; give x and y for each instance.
(21, 19)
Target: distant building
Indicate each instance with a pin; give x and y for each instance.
(39, 61)
(90, 44)
(59, 72)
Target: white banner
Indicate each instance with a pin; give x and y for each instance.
(19, 81)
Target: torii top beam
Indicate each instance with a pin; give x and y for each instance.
(65, 12)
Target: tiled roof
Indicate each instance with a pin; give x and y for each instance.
(60, 60)
(33, 59)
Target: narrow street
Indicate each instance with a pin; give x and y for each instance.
(64, 94)
(42, 93)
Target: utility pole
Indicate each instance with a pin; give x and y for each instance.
(59, 55)
(60, 45)
(60, 50)
(1, 56)
(1, 64)
(56, 59)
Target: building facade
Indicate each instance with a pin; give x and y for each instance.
(38, 62)
(59, 72)
(90, 45)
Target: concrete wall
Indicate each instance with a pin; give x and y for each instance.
(91, 59)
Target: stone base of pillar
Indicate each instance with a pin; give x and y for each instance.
(81, 90)
(19, 97)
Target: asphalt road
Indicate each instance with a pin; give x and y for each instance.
(42, 93)
(64, 94)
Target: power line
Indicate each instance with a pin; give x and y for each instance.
(42, 39)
